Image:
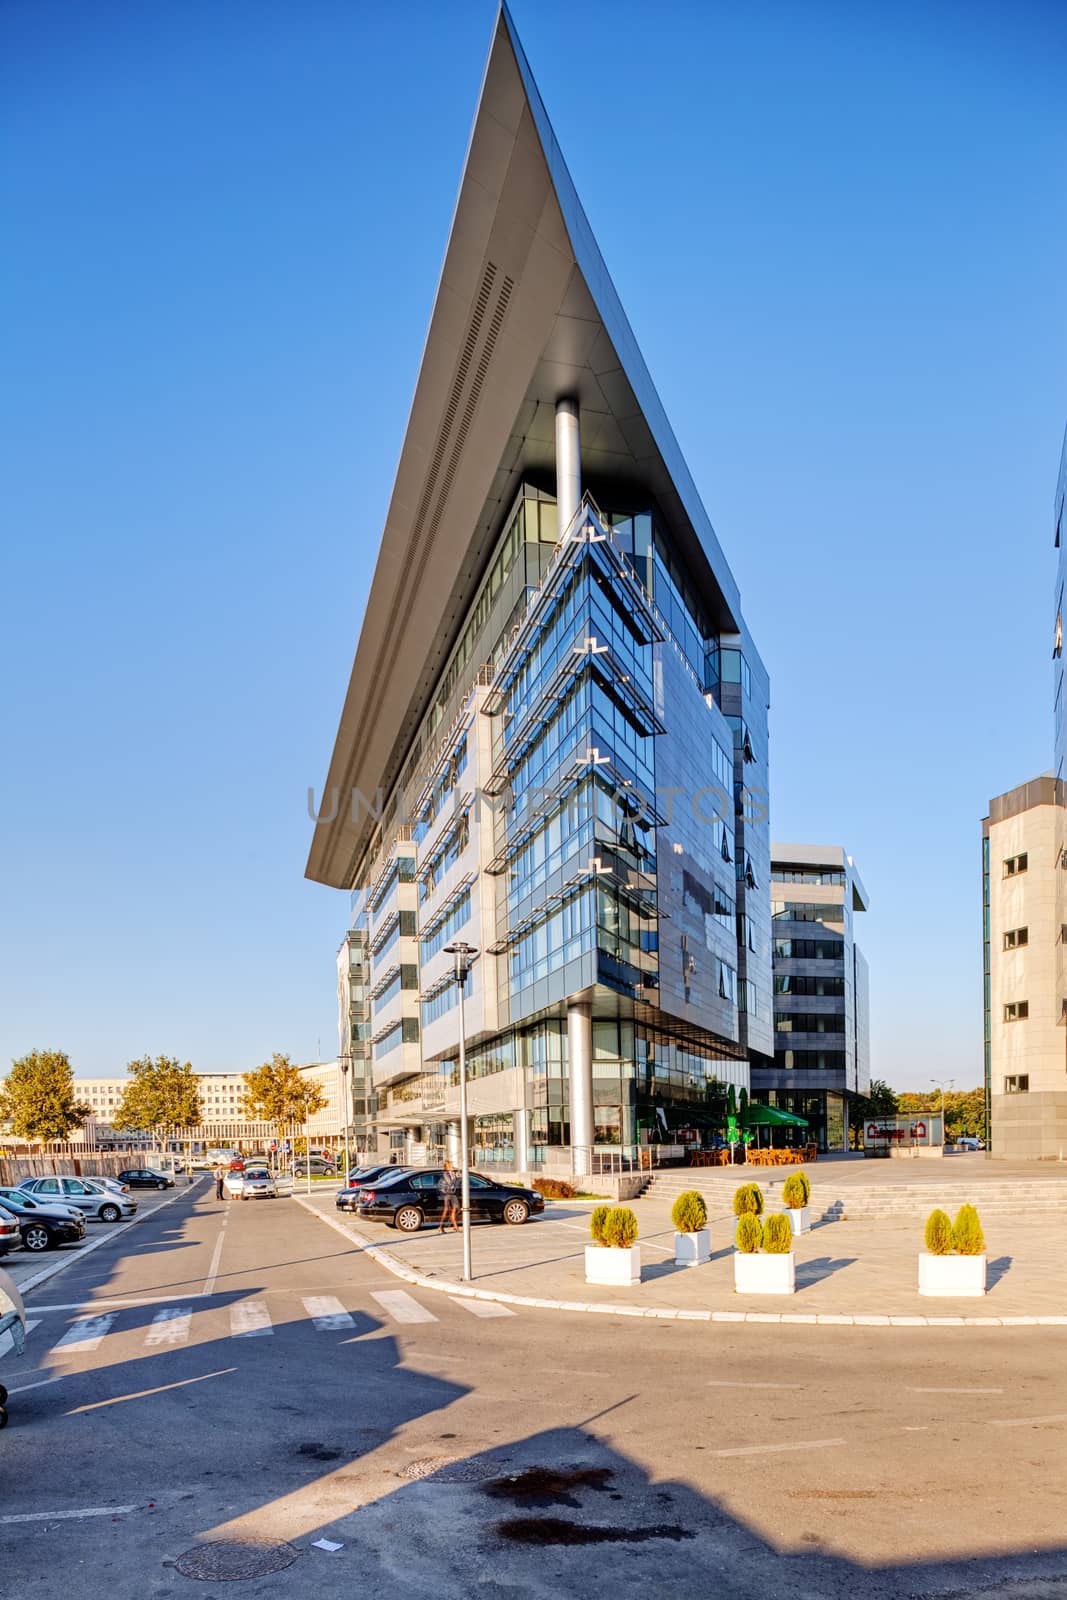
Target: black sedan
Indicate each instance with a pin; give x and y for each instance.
(348, 1197)
(409, 1199)
(40, 1227)
(146, 1178)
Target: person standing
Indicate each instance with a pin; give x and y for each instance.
(220, 1173)
(449, 1187)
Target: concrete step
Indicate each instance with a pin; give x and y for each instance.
(917, 1199)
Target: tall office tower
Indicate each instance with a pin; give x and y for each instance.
(821, 1009)
(554, 744)
(1024, 933)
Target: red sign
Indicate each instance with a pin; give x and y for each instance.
(919, 1131)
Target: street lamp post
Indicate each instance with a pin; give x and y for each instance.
(346, 1103)
(464, 954)
(942, 1084)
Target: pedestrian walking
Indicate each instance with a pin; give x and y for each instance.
(220, 1173)
(449, 1186)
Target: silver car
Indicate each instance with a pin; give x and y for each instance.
(87, 1195)
(257, 1184)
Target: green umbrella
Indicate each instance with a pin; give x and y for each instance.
(771, 1117)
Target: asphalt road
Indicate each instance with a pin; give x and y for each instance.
(229, 1374)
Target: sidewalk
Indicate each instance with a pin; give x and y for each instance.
(846, 1271)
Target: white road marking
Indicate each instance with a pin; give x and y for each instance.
(87, 1334)
(1026, 1422)
(248, 1318)
(42, 1383)
(69, 1516)
(170, 1326)
(776, 1449)
(327, 1313)
(35, 1322)
(141, 1394)
(967, 1390)
(484, 1308)
(213, 1269)
(741, 1383)
(148, 1300)
(401, 1305)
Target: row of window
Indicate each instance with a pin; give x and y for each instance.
(805, 911)
(445, 999)
(1015, 938)
(827, 875)
(809, 949)
(790, 983)
(810, 1060)
(406, 1031)
(807, 1022)
(1013, 865)
(1016, 1011)
(403, 926)
(401, 871)
(442, 934)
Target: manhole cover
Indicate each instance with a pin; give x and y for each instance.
(449, 1471)
(228, 1560)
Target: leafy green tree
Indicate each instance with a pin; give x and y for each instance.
(964, 1109)
(37, 1097)
(879, 1101)
(280, 1093)
(162, 1098)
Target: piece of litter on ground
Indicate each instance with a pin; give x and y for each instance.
(326, 1544)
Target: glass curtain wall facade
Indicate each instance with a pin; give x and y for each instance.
(821, 1007)
(555, 750)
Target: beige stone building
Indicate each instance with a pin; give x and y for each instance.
(1025, 891)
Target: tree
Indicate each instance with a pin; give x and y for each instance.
(964, 1109)
(879, 1101)
(163, 1098)
(280, 1093)
(37, 1097)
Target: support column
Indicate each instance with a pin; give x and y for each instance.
(580, 1075)
(452, 1143)
(568, 462)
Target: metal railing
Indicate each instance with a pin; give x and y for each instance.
(612, 1160)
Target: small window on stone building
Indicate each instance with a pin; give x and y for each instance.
(1017, 1085)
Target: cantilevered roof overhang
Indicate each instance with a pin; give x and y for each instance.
(525, 314)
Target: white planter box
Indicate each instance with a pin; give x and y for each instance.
(799, 1219)
(761, 1273)
(692, 1249)
(617, 1269)
(957, 1277)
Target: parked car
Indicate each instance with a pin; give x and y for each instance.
(256, 1184)
(110, 1183)
(43, 1227)
(319, 1168)
(146, 1178)
(84, 1194)
(10, 1235)
(348, 1197)
(409, 1199)
(9, 1195)
(970, 1141)
(12, 1331)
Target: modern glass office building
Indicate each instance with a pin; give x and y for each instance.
(821, 994)
(554, 743)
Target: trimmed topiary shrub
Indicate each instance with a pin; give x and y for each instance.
(748, 1199)
(777, 1235)
(620, 1228)
(555, 1189)
(938, 1234)
(597, 1220)
(967, 1236)
(689, 1212)
(749, 1234)
(796, 1191)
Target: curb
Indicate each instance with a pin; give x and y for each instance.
(822, 1319)
(56, 1267)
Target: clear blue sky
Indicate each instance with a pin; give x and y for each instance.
(224, 225)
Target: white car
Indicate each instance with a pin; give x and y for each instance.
(86, 1194)
(970, 1141)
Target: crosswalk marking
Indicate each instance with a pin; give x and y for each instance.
(35, 1322)
(402, 1305)
(485, 1308)
(328, 1314)
(248, 1318)
(86, 1334)
(169, 1326)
